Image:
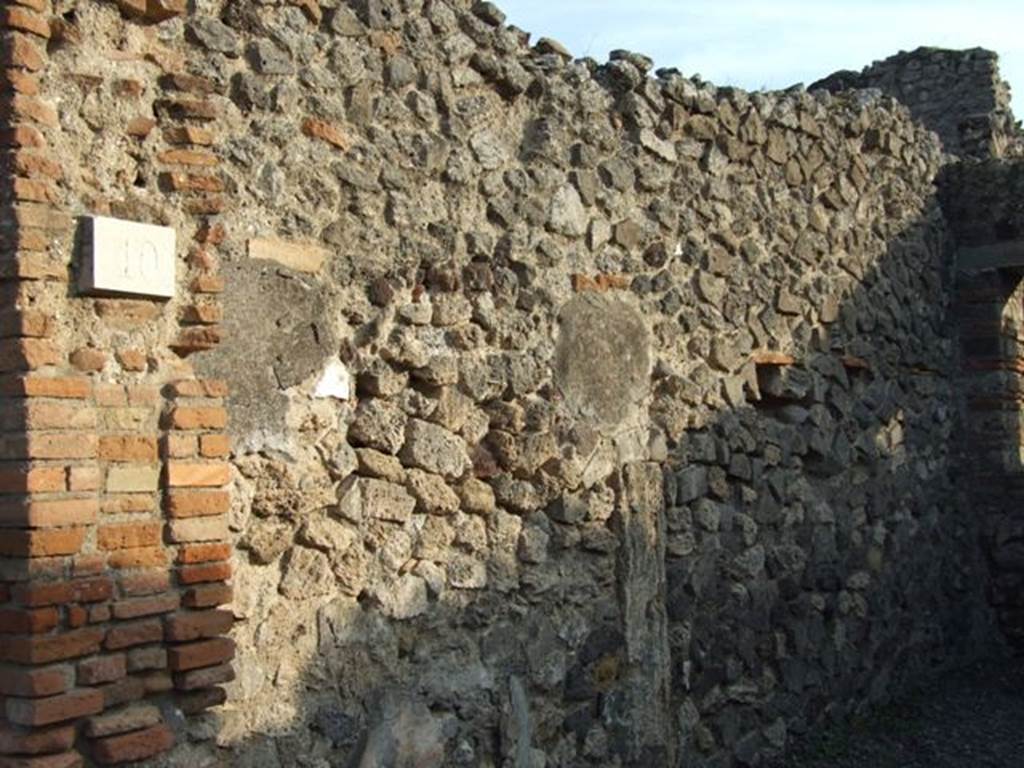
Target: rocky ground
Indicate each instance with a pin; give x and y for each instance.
(967, 719)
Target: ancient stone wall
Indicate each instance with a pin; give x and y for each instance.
(957, 94)
(580, 417)
(115, 546)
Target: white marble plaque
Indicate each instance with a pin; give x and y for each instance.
(125, 257)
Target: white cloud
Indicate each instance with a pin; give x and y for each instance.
(774, 43)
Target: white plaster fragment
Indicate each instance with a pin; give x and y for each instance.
(334, 382)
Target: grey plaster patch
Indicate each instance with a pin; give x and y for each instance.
(288, 315)
(602, 359)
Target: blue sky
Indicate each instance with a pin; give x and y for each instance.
(775, 43)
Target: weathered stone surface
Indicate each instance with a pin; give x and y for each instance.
(379, 424)
(435, 449)
(363, 498)
(432, 494)
(307, 573)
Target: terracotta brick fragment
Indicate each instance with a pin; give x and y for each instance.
(22, 52)
(197, 625)
(77, 616)
(99, 613)
(191, 475)
(55, 709)
(89, 565)
(191, 554)
(41, 6)
(134, 746)
(44, 649)
(102, 669)
(42, 414)
(85, 478)
(211, 284)
(127, 503)
(42, 594)
(214, 446)
(127, 313)
(33, 683)
(27, 354)
(187, 134)
(122, 691)
(42, 542)
(128, 535)
(202, 314)
(146, 606)
(29, 512)
(197, 701)
(187, 530)
(204, 678)
(27, 322)
(33, 266)
(88, 359)
(194, 84)
(134, 360)
(125, 720)
(30, 108)
(212, 233)
(14, 621)
(18, 80)
(140, 127)
(200, 388)
(48, 445)
(147, 658)
(45, 217)
(33, 163)
(22, 136)
(37, 191)
(127, 448)
(179, 446)
(129, 88)
(184, 417)
(143, 394)
(134, 633)
(58, 387)
(111, 395)
(150, 557)
(208, 572)
(149, 582)
(25, 20)
(205, 653)
(188, 109)
(320, 129)
(188, 157)
(204, 204)
(208, 596)
(36, 741)
(31, 479)
(191, 182)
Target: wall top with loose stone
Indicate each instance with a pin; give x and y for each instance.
(956, 93)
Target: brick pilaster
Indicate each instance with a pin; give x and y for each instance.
(114, 548)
